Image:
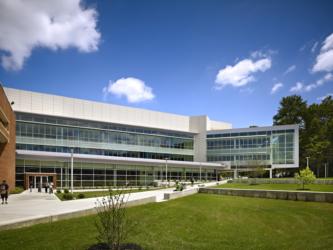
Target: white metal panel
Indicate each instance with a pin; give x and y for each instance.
(58, 105)
(48, 105)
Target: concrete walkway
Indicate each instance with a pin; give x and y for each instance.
(29, 206)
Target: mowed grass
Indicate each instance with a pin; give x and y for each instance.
(200, 221)
(295, 187)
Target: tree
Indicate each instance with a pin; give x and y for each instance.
(316, 127)
(292, 111)
(305, 176)
(112, 224)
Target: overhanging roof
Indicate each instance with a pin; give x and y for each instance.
(41, 155)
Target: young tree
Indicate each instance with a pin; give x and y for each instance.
(305, 176)
(112, 224)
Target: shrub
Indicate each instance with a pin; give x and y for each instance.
(67, 196)
(147, 187)
(17, 190)
(229, 181)
(80, 196)
(66, 191)
(58, 191)
(140, 187)
(305, 176)
(112, 223)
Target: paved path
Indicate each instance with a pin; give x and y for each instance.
(33, 205)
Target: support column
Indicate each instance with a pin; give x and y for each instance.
(271, 173)
(235, 174)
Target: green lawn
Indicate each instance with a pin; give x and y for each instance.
(310, 187)
(201, 221)
(94, 194)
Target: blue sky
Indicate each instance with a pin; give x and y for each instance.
(220, 58)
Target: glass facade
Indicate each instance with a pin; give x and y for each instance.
(53, 134)
(245, 149)
(90, 175)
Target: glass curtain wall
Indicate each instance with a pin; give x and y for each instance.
(252, 148)
(53, 134)
(90, 175)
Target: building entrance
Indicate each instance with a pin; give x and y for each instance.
(39, 180)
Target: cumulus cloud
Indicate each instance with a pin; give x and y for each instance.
(297, 88)
(290, 69)
(241, 73)
(276, 87)
(324, 61)
(328, 77)
(60, 24)
(325, 96)
(135, 90)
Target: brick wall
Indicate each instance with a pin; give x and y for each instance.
(7, 149)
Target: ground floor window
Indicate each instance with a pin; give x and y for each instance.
(91, 175)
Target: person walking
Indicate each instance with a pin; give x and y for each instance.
(4, 192)
(46, 187)
(51, 188)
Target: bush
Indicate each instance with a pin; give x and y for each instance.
(112, 223)
(67, 196)
(80, 196)
(66, 191)
(58, 191)
(147, 187)
(140, 187)
(17, 190)
(230, 181)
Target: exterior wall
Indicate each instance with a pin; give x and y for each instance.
(38, 103)
(199, 123)
(7, 144)
(275, 146)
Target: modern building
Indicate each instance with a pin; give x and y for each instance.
(112, 145)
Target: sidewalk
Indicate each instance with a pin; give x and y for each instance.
(33, 205)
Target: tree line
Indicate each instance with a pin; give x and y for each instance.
(316, 130)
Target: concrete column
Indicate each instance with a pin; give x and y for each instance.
(271, 173)
(235, 174)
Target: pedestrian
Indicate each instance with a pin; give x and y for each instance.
(46, 187)
(51, 188)
(4, 192)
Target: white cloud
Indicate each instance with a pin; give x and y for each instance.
(290, 69)
(314, 47)
(60, 24)
(324, 61)
(276, 87)
(135, 90)
(241, 73)
(325, 96)
(328, 77)
(297, 88)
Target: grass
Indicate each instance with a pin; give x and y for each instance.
(101, 193)
(310, 187)
(201, 221)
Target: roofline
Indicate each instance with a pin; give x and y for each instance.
(255, 129)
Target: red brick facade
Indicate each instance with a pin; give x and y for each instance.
(7, 141)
